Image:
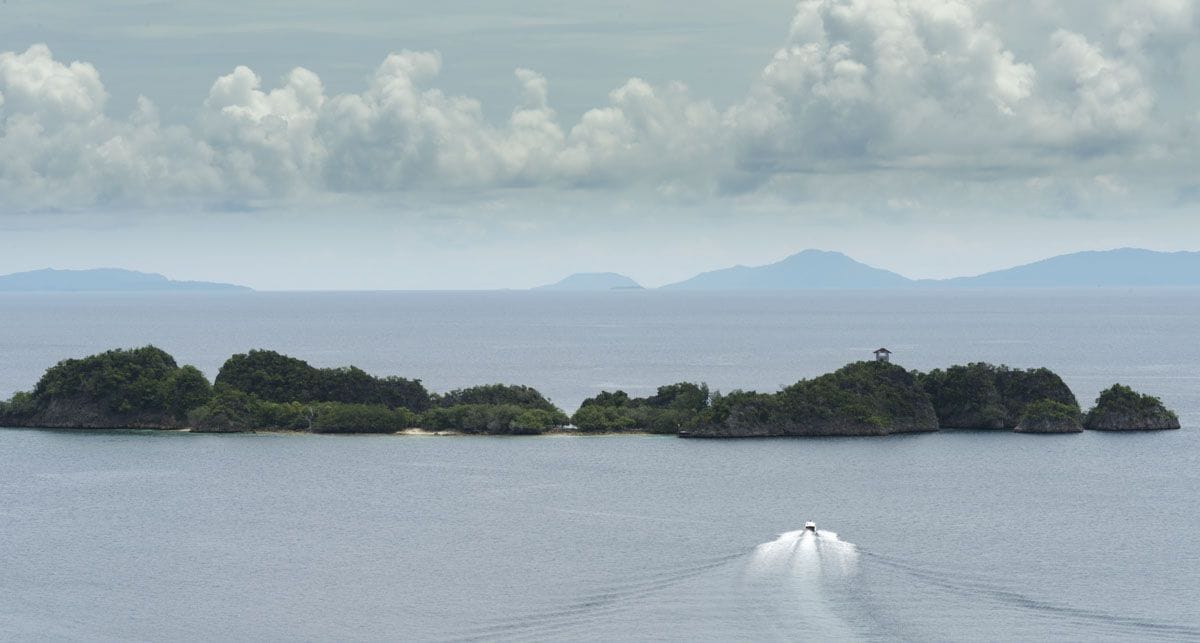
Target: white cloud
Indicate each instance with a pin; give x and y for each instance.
(1102, 97)
(1136, 21)
(48, 90)
(265, 142)
(885, 82)
(860, 86)
(59, 150)
(645, 132)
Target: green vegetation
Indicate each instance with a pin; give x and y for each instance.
(496, 394)
(279, 378)
(863, 398)
(494, 409)
(984, 396)
(264, 390)
(875, 394)
(674, 408)
(492, 419)
(1050, 410)
(18, 409)
(135, 387)
(1049, 416)
(234, 410)
(231, 410)
(1123, 399)
(1121, 408)
(334, 417)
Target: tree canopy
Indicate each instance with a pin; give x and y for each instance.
(134, 381)
(984, 396)
(279, 378)
(509, 394)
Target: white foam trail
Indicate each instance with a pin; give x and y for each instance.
(799, 568)
(804, 553)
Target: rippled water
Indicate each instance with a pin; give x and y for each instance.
(949, 536)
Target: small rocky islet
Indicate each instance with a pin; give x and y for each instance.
(145, 388)
(1120, 408)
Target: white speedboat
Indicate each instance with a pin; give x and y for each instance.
(810, 526)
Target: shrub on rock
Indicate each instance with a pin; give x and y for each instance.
(1049, 416)
(1120, 408)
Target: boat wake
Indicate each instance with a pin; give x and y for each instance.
(1101, 624)
(587, 611)
(787, 588)
(804, 584)
(805, 554)
(805, 574)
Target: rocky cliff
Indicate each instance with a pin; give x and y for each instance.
(79, 412)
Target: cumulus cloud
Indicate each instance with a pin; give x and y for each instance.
(1100, 98)
(58, 149)
(903, 81)
(882, 78)
(37, 84)
(859, 85)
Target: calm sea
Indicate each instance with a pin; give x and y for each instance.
(948, 536)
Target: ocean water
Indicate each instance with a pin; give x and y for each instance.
(948, 536)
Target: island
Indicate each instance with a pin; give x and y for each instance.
(1120, 408)
(823, 269)
(105, 280)
(263, 390)
(593, 282)
(144, 388)
(1118, 268)
(816, 269)
(138, 388)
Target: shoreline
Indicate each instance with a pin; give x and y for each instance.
(554, 433)
(410, 432)
(264, 391)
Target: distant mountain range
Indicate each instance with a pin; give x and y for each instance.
(820, 269)
(810, 269)
(102, 280)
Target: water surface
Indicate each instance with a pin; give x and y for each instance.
(948, 536)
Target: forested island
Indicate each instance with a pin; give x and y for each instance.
(145, 388)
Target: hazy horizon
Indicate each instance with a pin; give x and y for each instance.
(457, 146)
(1111, 264)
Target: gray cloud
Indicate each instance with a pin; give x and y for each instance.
(1078, 100)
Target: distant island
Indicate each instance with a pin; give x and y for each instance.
(1124, 267)
(593, 281)
(821, 269)
(145, 388)
(807, 269)
(103, 280)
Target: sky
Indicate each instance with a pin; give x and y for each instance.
(469, 144)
